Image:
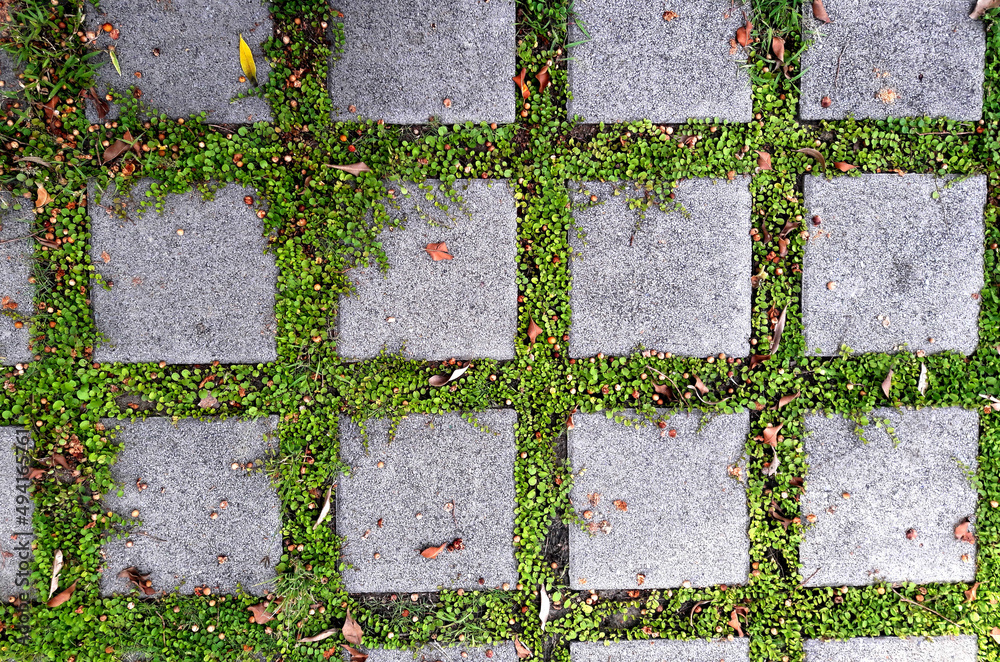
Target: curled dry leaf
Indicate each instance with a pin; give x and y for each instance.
(843, 166)
(352, 631)
(743, 33)
(116, 149)
(519, 80)
(35, 473)
(140, 580)
(758, 359)
(734, 619)
(772, 468)
(763, 160)
(43, 197)
(543, 611)
(771, 434)
(778, 46)
(62, 596)
(356, 655)
(60, 459)
(441, 380)
(57, 565)
(779, 329)
(700, 385)
(970, 595)
(819, 12)
(100, 104)
(247, 62)
(260, 613)
(776, 514)
(533, 330)
(785, 399)
(544, 78)
(782, 246)
(352, 169)
(439, 251)
(982, 6)
(432, 552)
(208, 402)
(523, 652)
(809, 151)
(325, 510)
(887, 384)
(922, 381)
(962, 532)
(325, 634)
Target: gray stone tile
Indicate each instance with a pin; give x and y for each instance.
(635, 65)
(9, 83)
(892, 649)
(202, 296)
(659, 506)
(879, 58)
(903, 267)
(500, 653)
(403, 58)
(676, 282)
(187, 469)
(15, 270)
(198, 63)
(459, 479)
(694, 650)
(16, 532)
(915, 479)
(463, 308)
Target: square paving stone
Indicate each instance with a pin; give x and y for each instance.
(633, 64)
(188, 54)
(9, 83)
(914, 480)
(500, 653)
(189, 285)
(186, 468)
(402, 59)
(465, 307)
(662, 507)
(694, 650)
(16, 292)
(672, 282)
(16, 533)
(879, 58)
(892, 649)
(441, 480)
(890, 267)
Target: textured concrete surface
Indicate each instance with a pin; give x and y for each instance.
(198, 66)
(403, 58)
(905, 267)
(892, 649)
(202, 296)
(879, 58)
(459, 480)
(437, 653)
(186, 466)
(15, 270)
(8, 77)
(463, 308)
(636, 65)
(676, 282)
(16, 533)
(695, 650)
(684, 517)
(916, 481)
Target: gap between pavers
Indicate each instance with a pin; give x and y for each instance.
(16, 291)
(890, 267)
(187, 52)
(187, 470)
(962, 648)
(917, 479)
(465, 307)
(440, 479)
(192, 284)
(632, 64)
(16, 532)
(403, 58)
(882, 58)
(503, 652)
(661, 511)
(693, 650)
(672, 282)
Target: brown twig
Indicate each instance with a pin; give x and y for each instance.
(905, 599)
(946, 133)
(836, 76)
(7, 241)
(803, 582)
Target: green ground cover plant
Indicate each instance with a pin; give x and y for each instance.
(323, 221)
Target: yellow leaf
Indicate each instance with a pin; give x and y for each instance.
(114, 59)
(246, 61)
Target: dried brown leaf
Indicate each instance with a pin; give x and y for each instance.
(35, 473)
(353, 169)
(819, 12)
(763, 160)
(352, 631)
(995, 633)
(544, 78)
(779, 329)
(782, 246)
(523, 652)
(62, 596)
(743, 34)
(887, 384)
(208, 402)
(778, 46)
(962, 532)
(140, 580)
(432, 552)
(772, 468)
(785, 399)
(734, 619)
(325, 634)
(700, 385)
(843, 166)
(814, 153)
(356, 655)
(105, 257)
(60, 459)
(520, 81)
(116, 149)
(982, 6)
(757, 359)
(260, 613)
(970, 595)
(325, 510)
(771, 434)
(57, 566)
(43, 197)
(789, 227)
(439, 251)
(100, 104)
(533, 330)
(774, 513)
